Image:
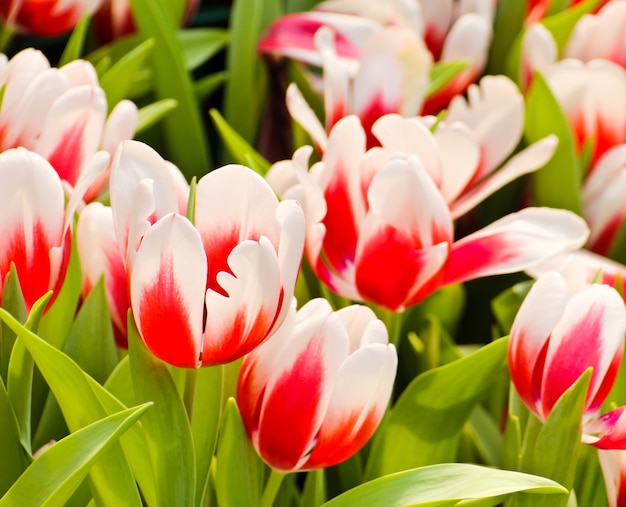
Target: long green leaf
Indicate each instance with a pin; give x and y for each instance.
(184, 132)
(443, 485)
(238, 474)
(15, 459)
(152, 113)
(561, 24)
(557, 184)
(425, 424)
(12, 302)
(167, 428)
(201, 44)
(52, 478)
(74, 47)
(111, 477)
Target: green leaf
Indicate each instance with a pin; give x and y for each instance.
(314, 491)
(152, 113)
(166, 427)
(425, 424)
(91, 343)
(52, 478)
(561, 24)
(486, 436)
(238, 146)
(201, 44)
(506, 304)
(12, 302)
(508, 24)
(245, 92)
(208, 85)
(553, 451)
(74, 47)
(15, 459)
(118, 81)
(111, 477)
(443, 485)
(238, 473)
(557, 184)
(442, 73)
(183, 129)
(205, 421)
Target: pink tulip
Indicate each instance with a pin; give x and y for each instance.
(60, 114)
(558, 335)
(369, 213)
(312, 395)
(613, 463)
(45, 17)
(210, 293)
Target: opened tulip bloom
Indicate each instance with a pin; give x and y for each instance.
(556, 337)
(312, 395)
(210, 293)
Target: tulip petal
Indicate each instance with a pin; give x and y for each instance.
(300, 111)
(297, 395)
(532, 158)
(358, 402)
(541, 310)
(167, 291)
(31, 218)
(590, 333)
(240, 315)
(613, 463)
(607, 431)
(514, 243)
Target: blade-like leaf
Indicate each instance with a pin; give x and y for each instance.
(557, 184)
(561, 24)
(52, 478)
(166, 426)
(424, 426)
(442, 73)
(74, 47)
(12, 302)
(111, 477)
(152, 113)
(238, 474)
(184, 132)
(443, 485)
(201, 44)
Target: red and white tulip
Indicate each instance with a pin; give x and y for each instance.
(557, 335)
(60, 114)
(210, 293)
(45, 17)
(312, 395)
(370, 212)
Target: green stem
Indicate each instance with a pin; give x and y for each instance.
(271, 488)
(393, 321)
(6, 34)
(189, 396)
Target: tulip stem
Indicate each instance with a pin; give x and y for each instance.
(271, 488)
(6, 34)
(189, 396)
(393, 322)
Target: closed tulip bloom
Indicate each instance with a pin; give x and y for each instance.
(312, 395)
(45, 17)
(558, 335)
(210, 293)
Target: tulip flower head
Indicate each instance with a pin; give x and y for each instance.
(210, 292)
(312, 395)
(558, 335)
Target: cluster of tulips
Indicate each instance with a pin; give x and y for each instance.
(435, 142)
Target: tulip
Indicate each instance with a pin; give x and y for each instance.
(613, 463)
(556, 336)
(60, 114)
(45, 17)
(312, 395)
(137, 173)
(210, 293)
(369, 213)
(36, 222)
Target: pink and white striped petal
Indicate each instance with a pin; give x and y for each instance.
(242, 306)
(297, 395)
(613, 464)
(589, 333)
(514, 243)
(31, 218)
(167, 288)
(541, 310)
(119, 126)
(72, 130)
(494, 111)
(607, 431)
(357, 405)
(80, 73)
(539, 52)
(530, 159)
(300, 111)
